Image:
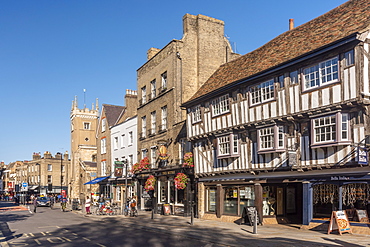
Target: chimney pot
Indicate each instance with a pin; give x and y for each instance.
(291, 24)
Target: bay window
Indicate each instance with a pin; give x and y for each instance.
(227, 146)
(330, 129)
(271, 139)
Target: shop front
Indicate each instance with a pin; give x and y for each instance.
(166, 193)
(275, 201)
(286, 197)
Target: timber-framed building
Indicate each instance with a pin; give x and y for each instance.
(285, 127)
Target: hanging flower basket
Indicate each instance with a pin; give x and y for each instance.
(150, 183)
(188, 160)
(141, 166)
(180, 181)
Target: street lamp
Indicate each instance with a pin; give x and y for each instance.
(61, 172)
(39, 178)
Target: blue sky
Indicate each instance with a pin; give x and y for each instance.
(51, 51)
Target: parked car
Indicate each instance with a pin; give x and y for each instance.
(43, 202)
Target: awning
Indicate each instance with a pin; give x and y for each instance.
(96, 180)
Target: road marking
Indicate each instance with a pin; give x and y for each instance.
(5, 244)
(86, 239)
(31, 234)
(37, 241)
(67, 239)
(100, 245)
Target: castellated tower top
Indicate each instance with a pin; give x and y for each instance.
(75, 110)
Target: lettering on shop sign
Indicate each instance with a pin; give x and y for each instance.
(339, 178)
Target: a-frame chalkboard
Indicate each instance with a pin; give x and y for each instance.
(250, 213)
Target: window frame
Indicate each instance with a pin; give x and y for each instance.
(143, 127)
(164, 80)
(103, 145)
(259, 94)
(86, 125)
(230, 142)
(278, 141)
(103, 124)
(164, 122)
(349, 58)
(153, 89)
(153, 122)
(220, 105)
(316, 71)
(196, 114)
(339, 125)
(50, 167)
(143, 95)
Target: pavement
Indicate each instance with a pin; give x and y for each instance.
(231, 234)
(216, 233)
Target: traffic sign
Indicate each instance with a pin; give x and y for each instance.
(24, 184)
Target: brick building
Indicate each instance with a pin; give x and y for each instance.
(168, 78)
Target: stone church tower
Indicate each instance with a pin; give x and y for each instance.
(83, 149)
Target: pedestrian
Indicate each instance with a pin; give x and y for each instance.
(34, 204)
(87, 205)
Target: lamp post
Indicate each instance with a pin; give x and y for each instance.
(39, 179)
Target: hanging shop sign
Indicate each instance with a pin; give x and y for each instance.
(118, 169)
(339, 222)
(163, 153)
(362, 156)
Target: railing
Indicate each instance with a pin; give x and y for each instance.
(162, 90)
(151, 132)
(142, 135)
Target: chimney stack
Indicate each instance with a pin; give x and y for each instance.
(291, 24)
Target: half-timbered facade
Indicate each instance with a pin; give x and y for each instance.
(285, 128)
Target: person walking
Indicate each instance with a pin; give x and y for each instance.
(34, 204)
(87, 205)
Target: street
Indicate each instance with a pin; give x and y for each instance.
(51, 227)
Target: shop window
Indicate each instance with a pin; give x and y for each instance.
(269, 200)
(231, 200)
(247, 197)
(211, 200)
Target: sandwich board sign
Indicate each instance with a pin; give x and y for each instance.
(339, 222)
(362, 216)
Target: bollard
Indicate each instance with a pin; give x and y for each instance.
(152, 214)
(191, 216)
(255, 223)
